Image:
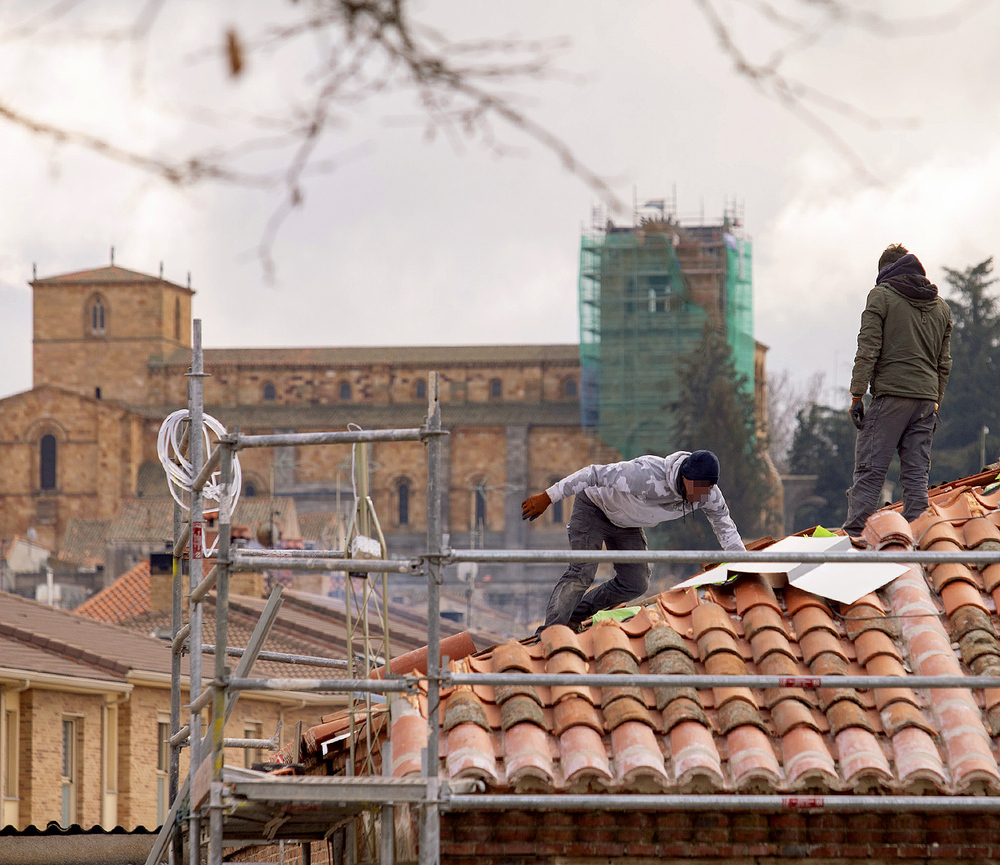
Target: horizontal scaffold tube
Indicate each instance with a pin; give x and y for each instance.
(680, 680)
(327, 438)
(283, 657)
(710, 802)
(306, 563)
(246, 553)
(376, 686)
(986, 557)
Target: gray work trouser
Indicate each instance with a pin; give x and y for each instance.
(590, 529)
(892, 423)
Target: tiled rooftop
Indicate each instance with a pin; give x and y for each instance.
(936, 621)
(103, 275)
(420, 356)
(126, 597)
(83, 542)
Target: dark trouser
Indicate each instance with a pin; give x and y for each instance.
(590, 529)
(892, 423)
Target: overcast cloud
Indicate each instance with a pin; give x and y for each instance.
(413, 241)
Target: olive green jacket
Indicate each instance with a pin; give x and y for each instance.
(904, 346)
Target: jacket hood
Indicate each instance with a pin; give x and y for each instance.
(908, 277)
(672, 465)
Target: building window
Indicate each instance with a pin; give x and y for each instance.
(8, 753)
(557, 507)
(109, 765)
(162, 770)
(249, 490)
(269, 392)
(69, 771)
(47, 462)
(98, 314)
(479, 507)
(421, 389)
(496, 388)
(177, 319)
(569, 387)
(403, 502)
(253, 730)
(345, 391)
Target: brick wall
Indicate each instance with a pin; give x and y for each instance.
(485, 838)
(139, 323)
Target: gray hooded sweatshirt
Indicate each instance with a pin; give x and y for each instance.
(643, 492)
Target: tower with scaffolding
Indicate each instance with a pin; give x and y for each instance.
(646, 292)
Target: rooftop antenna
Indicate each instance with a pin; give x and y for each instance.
(34, 271)
(189, 279)
(161, 270)
(112, 256)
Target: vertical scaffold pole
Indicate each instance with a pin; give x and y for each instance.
(431, 835)
(176, 854)
(196, 440)
(221, 644)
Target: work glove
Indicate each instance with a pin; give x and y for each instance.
(532, 508)
(857, 411)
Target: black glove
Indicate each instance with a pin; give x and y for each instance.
(857, 411)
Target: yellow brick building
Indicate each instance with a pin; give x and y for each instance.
(110, 352)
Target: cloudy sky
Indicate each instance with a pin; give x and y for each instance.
(417, 239)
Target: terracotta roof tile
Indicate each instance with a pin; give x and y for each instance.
(933, 621)
(126, 597)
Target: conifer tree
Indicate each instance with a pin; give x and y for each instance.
(972, 399)
(716, 414)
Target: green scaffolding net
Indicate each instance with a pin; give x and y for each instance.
(645, 295)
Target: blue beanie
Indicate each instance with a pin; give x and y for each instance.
(701, 466)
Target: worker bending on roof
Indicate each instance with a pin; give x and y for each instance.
(613, 504)
(904, 353)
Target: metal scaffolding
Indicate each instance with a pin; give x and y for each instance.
(211, 792)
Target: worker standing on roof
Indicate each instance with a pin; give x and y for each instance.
(613, 504)
(904, 353)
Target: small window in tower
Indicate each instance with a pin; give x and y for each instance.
(97, 317)
(496, 388)
(345, 391)
(569, 387)
(177, 319)
(421, 389)
(97, 393)
(269, 392)
(47, 462)
(403, 500)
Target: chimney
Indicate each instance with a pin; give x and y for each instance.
(161, 575)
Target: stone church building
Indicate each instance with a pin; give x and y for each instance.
(110, 351)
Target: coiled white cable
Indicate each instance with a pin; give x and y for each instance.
(180, 471)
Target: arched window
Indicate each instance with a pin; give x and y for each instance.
(177, 319)
(479, 508)
(47, 462)
(98, 317)
(569, 387)
(345, 390)
(496, 388)
(421, 389)
(249, 490)
(269, 392)
(403, 502)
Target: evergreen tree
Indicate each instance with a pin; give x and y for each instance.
(823, 445)
(716, 414)
(972, 399)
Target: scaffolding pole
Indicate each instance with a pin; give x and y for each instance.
(196, 441)
(430, 849)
